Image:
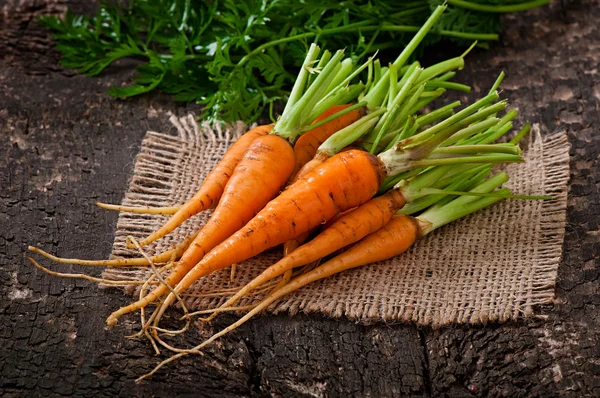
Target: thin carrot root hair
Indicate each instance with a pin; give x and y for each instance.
(143, 289)
(158, 276)
(121, 262)
(224, 309)
(143, 315)
(168, 210)
(112, 282)
(233, 269)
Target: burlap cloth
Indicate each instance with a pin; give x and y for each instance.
(496, 265)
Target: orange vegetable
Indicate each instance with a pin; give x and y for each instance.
(212, 188)
(307, 145)
(259, 176)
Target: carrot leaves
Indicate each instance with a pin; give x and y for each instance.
(238, 58)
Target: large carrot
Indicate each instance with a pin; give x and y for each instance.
(260, 174)
(212, 188)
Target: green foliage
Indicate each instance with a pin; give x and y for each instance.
(237, 57)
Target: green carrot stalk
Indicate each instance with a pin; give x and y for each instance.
(437, 114)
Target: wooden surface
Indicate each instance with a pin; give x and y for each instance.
(66, 145)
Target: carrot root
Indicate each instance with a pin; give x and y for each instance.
(85, 277)
(121, 262)
(140, 209)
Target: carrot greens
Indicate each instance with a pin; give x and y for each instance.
(239, 57)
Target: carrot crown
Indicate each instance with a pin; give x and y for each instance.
(447, 211)
(311, 96)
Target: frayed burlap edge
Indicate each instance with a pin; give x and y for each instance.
(449, 277)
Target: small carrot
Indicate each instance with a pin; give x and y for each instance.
(259, 176)
(212, 188)
(306, 146)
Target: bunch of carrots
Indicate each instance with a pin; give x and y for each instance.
(351, 172)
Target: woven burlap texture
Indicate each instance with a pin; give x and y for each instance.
(493, 266)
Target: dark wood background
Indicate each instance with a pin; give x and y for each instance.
(66, 145)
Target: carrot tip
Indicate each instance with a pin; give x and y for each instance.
(111, 320)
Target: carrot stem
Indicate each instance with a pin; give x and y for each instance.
(522, 133)
(434, 84)
(464, 181)
(348, 135)
(344, 111)
(297, 117)
(300, 83)
(381, 87)
(482, 148)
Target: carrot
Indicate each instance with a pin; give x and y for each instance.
(260, 174)
(348, 229)
(306, 146)
(346, 180)
(212, 188)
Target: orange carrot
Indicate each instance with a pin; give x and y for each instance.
(212, 188)
(346, 180)
(259, 176)
(394, 238)
(348, 229)
(307, 145)
(317, 160)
